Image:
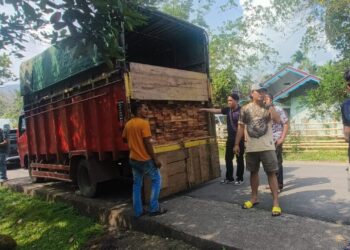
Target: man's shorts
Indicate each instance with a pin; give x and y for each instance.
(267, 158)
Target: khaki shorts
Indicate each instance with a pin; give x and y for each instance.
(267, 158)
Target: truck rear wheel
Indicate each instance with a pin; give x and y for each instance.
(86, 186)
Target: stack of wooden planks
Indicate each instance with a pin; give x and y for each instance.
(176, 121)
(186, 168)
(174, 98)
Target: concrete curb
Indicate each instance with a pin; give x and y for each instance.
(117, 215)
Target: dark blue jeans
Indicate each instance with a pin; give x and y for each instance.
(139, 170)
(3, 166)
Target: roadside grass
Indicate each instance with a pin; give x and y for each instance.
(221, 151)
(38, 224)
(320, 155)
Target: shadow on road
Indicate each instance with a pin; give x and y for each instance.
(304, 182)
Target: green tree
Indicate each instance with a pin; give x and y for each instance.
(326, 99)
(233, 46)
(319, 19)
(181, 9)
(2, 105)
(298, 57)
(86, 23)
(12, 106)
(192, 10)
(231, 49)
(245, 84)
(301, 61)
(337, 24)
(224, 82)
(5, 72)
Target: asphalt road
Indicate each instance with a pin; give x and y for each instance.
(317, 190)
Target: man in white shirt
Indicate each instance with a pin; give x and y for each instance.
(279, 133)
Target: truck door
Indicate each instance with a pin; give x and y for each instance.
(22, 142)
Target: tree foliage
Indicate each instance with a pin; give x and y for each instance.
(5, 72)
(192, 10)
(234, 50)
(322, 21)
(11, 106)
(86, 23)
(301, 61)
(14, 108)
(181, 9)
(327, 98)
(231, 48)
(224, 82)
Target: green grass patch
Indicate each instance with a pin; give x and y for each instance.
(222, 151)
(320, 155)
(38, 224)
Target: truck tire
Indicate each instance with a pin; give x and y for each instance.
(86, 187)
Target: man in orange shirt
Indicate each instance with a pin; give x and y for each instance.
(137, 134)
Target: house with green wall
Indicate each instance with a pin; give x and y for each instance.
(288, 86)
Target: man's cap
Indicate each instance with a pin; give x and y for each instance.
(257, 87)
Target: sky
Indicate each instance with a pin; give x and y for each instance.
(286, 44)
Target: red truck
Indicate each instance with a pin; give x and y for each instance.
(75, 109)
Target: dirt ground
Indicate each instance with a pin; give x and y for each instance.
(132, 240)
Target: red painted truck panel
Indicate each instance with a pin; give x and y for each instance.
(86, 122)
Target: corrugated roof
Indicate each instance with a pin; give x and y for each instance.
(287, 80)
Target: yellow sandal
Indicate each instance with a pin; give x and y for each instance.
(249, 204)
(276, 211)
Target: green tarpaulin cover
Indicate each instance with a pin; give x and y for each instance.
(52, 66)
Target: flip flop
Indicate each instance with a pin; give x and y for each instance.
(276, 211)
(249, 204)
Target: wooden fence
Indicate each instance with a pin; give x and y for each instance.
(312, 137)
(305, 144)
(325, 129)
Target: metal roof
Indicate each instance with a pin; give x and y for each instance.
(287, 80)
